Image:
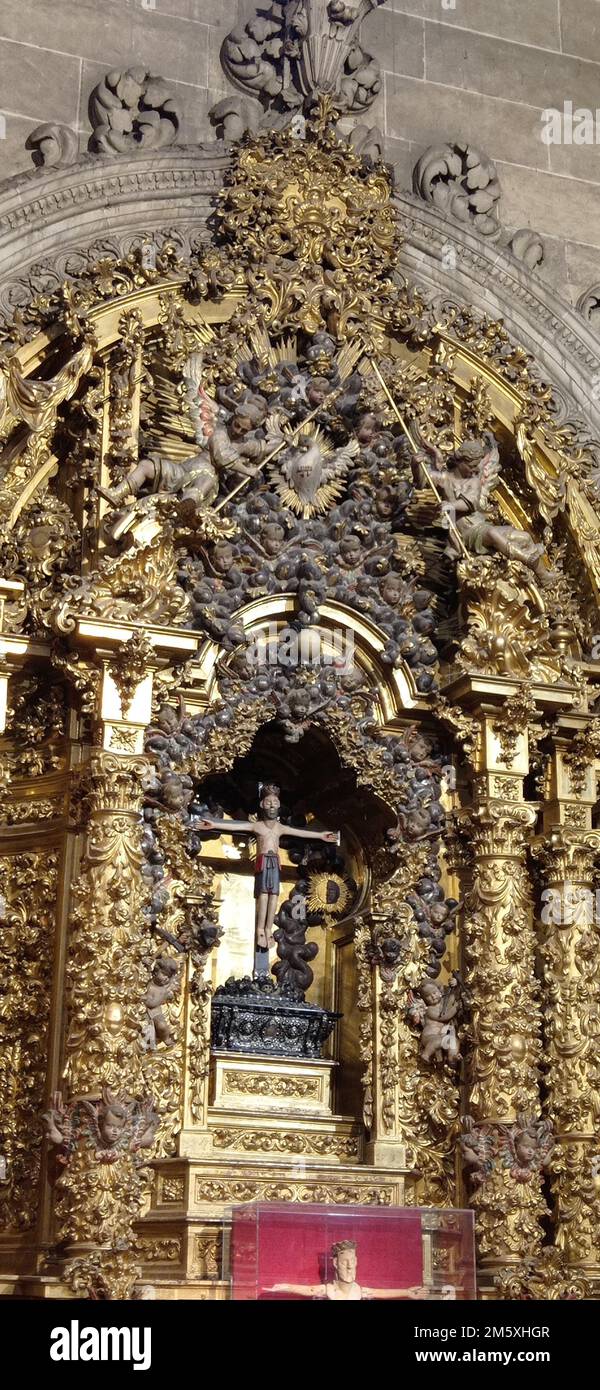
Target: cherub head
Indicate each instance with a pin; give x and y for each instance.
(438, 913)
(525, 1148)
(392, 589)
(112, 1120)
(177, 792)
(317, 390)
(167, 719)
(163, 970)
(385, 503)
(367, 429)
(350, 552)
(223, 557)
(272, 537)
(431, 993)
(299, 702)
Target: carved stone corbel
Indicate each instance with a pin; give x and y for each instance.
(463, 183)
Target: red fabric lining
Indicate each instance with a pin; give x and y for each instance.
(275, 1246)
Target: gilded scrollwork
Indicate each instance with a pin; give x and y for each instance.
(27, 942)
(265, 1141)
(301, 1088)
(541, 1277)
(569, 948)
(505, 1027)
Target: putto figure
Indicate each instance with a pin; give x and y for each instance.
(164, 986)
(268, 831)
(344, 1286)
(434, 1009)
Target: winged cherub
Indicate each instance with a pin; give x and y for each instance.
(434, 1009)
(478, 1146)
(308, 474)
(526, 1147)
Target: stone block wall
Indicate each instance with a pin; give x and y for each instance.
(478, 70)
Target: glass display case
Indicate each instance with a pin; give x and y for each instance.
(284, 1251)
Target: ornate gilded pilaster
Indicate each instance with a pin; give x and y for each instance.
(104, 1119)
(27, 941)
(570, 947)
(390, 958)
(410, 1104)
(107, 1118)
(504, 1142)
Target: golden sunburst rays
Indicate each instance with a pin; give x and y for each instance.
(329, 894)
(167, 422)
(329, 490)
(325, 497)
(260, 346)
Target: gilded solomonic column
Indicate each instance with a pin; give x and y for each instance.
(102, 1124)
(570, 943)
(505, 1142)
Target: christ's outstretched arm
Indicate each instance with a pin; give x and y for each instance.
(418, 1291)
(304, 1290)
(331, 836)
(247, 826)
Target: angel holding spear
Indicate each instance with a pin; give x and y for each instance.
(466, 482)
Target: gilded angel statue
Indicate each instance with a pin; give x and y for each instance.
(466, 481)
(223, 446)
(433, 1008)
(308, 473)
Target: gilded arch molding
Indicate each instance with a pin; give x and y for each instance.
(51, 219)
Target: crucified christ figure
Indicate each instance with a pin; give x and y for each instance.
(268, 831)
(343, 1286)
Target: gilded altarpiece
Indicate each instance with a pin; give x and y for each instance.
(270, 521)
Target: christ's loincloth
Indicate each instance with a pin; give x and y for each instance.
(267, 875)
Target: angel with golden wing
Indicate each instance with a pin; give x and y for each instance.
(466, 481)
